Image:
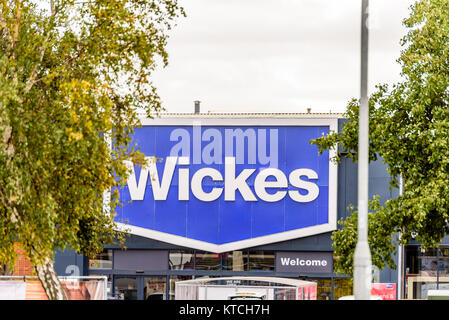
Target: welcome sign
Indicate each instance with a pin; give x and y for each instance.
(225, 184)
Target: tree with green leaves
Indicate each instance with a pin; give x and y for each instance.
(409, 131)
(72, 76)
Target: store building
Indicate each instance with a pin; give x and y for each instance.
(425, 270)
(238, 194)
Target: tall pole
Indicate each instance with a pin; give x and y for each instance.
(400, 249)
(362, 255)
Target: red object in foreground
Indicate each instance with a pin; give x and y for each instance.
(385, 290)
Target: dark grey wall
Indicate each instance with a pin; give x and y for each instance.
(69, 263)
(379, 180)
(141, 260)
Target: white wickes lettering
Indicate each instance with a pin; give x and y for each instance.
(197, 181)
(136, 191)
(160, 189)
(183, 179)
(260, 185)
(312, 188)
(232, 183)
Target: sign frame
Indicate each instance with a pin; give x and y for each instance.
(304, 262)
(254, 121)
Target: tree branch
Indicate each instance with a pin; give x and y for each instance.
(52, 7)
(32, 80)
(15, 37)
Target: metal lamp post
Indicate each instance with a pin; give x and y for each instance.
(362, 254)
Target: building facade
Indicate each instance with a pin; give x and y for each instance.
(232, 195)
(425, 269)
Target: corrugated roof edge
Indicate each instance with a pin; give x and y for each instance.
(247, 114)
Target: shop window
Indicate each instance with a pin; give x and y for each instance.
(428, 262)
(261, 260)
(411, 260)
(443, 266)
(418, 271)
(125, 288)
(235, 261)
(181, 260)
(102, 260)
(207, 261)
(324, 289)
(426, 269)
(343, 287)
(155, 288)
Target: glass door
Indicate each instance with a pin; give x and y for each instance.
(155, 288)
(125, 287)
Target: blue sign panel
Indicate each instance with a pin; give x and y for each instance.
(226, 187)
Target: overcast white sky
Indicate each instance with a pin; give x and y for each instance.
(277, 55)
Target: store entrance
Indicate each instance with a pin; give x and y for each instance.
(332, 288)
(126, 287)
(140, 287)
(148, 287)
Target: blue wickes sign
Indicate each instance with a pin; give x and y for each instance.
(226, 184)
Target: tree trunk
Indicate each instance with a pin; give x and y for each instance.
(5, 270)
(50, 281)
